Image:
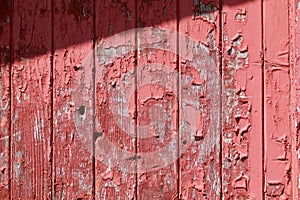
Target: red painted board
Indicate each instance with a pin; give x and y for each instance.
(277, 138)
(295, 91)
(242, 118)
(157, 100)
(5, 72)
(209, 112)
(200, 100)
(293, 111)
(72, 158)
(31, 100)
(115, 141)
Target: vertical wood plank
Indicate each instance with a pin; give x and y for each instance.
(199, 103)
(277, 100)
(5, 72)
(31, 100)
(294, 17)
(73, 99)
(157, 100)
(115, 141)
(294, 77)
(242, 147)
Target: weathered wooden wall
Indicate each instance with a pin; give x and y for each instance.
(214, 114)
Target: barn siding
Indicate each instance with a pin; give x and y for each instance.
(60, 107)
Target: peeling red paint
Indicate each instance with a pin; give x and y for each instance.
(5, 58)
(30, 102)
(116, 16)
(201, 183)
(294, 48)
(161, 183)
(242, 118)
(72, 163)
(246, 149)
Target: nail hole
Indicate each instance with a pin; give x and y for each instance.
(81, 110)
(76, 68)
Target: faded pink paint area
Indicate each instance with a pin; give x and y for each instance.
(277, 127)
(295, 92)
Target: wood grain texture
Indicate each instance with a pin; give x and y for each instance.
(242, 131)
(31, 100)
(199, 100)
(277, 101)
(157, 102)
(294, 77)
(5, 73)
(115, 139)
(72, 157)
(90, 108)
(295, 94)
